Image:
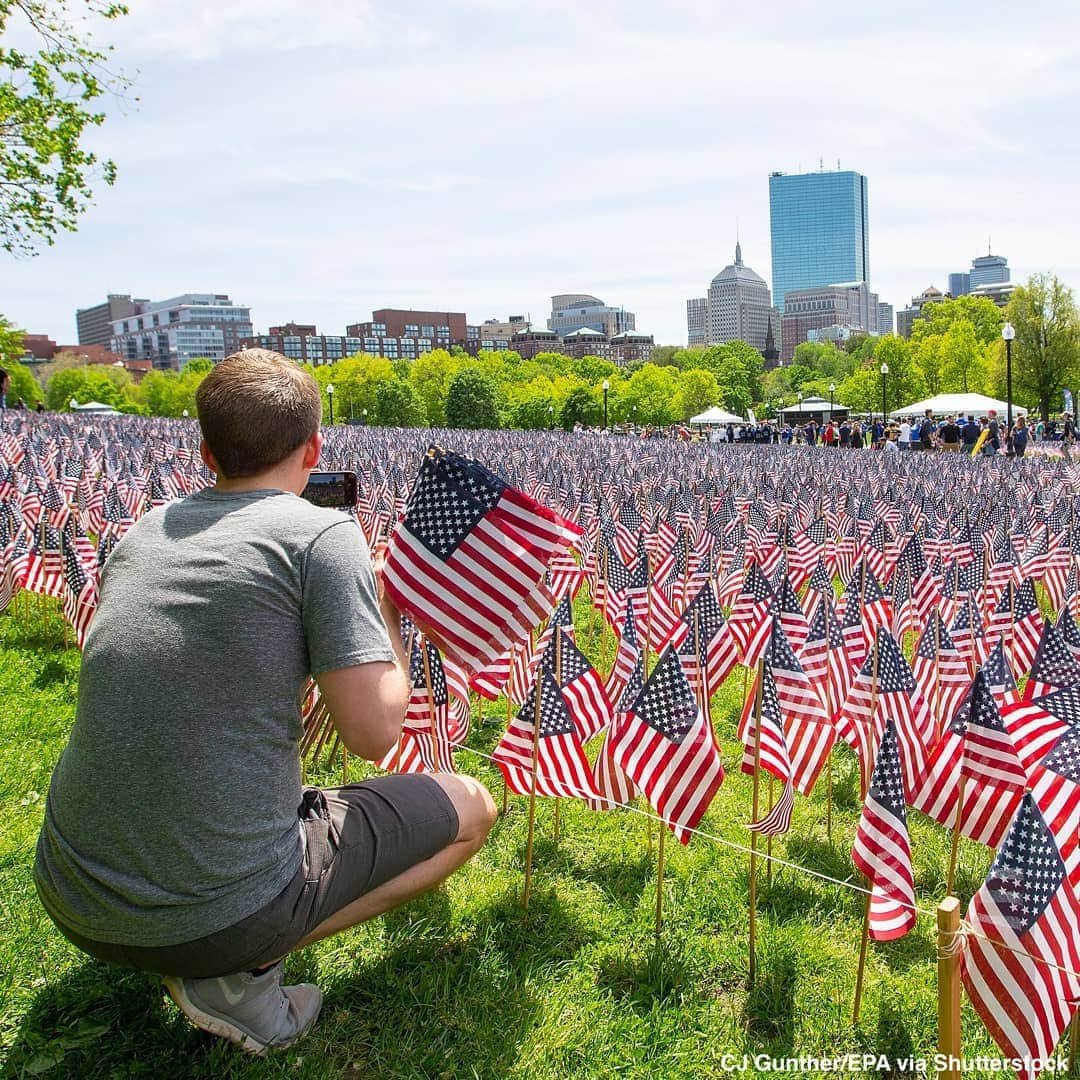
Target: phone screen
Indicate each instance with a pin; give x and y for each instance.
(334, 489)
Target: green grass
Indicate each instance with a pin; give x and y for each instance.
(462, 983)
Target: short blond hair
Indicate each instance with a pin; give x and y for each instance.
(255, 408)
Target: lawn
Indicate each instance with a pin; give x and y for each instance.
(463, 983)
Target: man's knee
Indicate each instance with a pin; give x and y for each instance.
(475, 807)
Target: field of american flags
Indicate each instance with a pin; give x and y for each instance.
(578, 987)
(460, 984)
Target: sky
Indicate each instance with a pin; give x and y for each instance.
(319, 160)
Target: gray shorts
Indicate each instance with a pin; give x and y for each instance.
(356, 838)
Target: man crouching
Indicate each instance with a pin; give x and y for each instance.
(177, 836)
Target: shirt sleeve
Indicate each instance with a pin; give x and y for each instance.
(342, 622)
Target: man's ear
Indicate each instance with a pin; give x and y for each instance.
(313, 451)
(208, 457)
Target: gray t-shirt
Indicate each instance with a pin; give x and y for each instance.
(172, 812)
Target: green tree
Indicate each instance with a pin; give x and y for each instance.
(397, 404)
(653, 391)
(965, 363)
(96, 383)
(471, 401)
(985, 317)
(47, 96)
(698, 391)
(23, 384)
(666, 356)
(580, 407)
(430, 376)
(11, 341)
(1046, 352)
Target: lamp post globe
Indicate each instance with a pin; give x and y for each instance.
(607, 387)
(73, 403)
(1008, 333)
(365, 418)
(884, 414)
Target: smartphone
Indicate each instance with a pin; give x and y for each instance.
(335, 489)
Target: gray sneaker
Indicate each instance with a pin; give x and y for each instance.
(254, 1011)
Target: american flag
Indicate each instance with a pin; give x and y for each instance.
(562, 770)
(988, 806)
(427, 715)
(882, 850)
(751, 617)
(824, 658)
(1054, 666)
(665, 746)
(717, 651)
(894, 697)
(1056, 780)
(580, 683)
(626, 657)
(611, 782)
(404, 756)
(808, 730)
(80, 592)
(941, 672)
(1026, 929)
(467, 561)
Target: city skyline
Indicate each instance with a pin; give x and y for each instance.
(306, 164)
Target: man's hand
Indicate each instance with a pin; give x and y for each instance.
(378, 563)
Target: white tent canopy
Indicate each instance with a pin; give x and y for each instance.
(95, 407)
(716, 415)
(954, 404)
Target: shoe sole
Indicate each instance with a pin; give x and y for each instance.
(215, 1025)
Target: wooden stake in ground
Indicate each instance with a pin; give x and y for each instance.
(509, 718)
(955, 836)
(532, 795)
(558, 683)
(948, 942)
(754, 817)
(431, 706)
(865, 784)
(827, 601)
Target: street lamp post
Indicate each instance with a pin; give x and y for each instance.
(607, 387)
(551, 416)
(330, 398)
(1008, 333)
(884, 414)
(365, 418)
(832, 390)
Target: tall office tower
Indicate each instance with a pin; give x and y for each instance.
(820, 230)
(989, 270)
(959, 284)
(885, 319)
(169, 333)
(94, 324)
(739, 306)
(697, 313)
(573, 311)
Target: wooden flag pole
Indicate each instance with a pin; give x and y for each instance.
(948, 925)
(401, 734)
(829, 710)
(866, 915)
(862, 962)
(532, 793)
(509, 718)
(754, 817)
(431, 706)
(955, 835)
(558, 681)
(1074, 1034)
(939, 721)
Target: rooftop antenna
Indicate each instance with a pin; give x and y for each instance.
(989, 249)
(821, 164)
(837, 164)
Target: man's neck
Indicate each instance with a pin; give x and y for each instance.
(270, 480)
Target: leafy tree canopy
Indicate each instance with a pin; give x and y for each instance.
(47, 108)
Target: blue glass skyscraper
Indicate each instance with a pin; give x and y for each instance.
(820, 230)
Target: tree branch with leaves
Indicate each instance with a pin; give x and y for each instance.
(48, 105)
